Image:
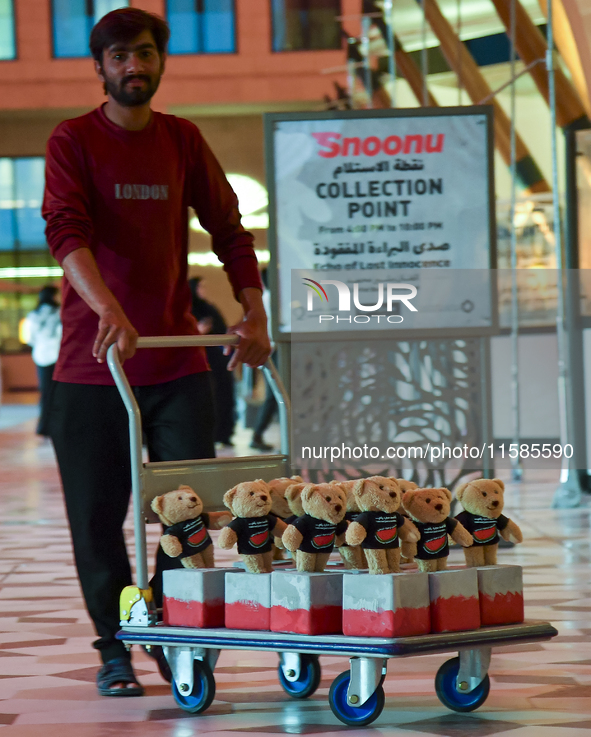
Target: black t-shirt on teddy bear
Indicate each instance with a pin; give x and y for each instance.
(484, 530)
(254, 533)
(319, 535)
(381, 528)
(433, 543)
(192, 534)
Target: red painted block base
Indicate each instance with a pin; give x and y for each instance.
(241, 615)
(501, 595)
(403, 622)
(391, 605)
(454, 600)
(455, 614)
(248, 601)
(192, 613)
(325, 620)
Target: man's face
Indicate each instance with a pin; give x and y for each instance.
(131, 72)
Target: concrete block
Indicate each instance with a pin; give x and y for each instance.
(193, 597)
(390, 605)
(500, 589)
(248, 601)
(306, 603)
(454, 600)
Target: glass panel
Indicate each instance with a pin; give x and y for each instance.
(73, 21)
(305, 24)
(102, 7)
(30, 180)
(71, 28)
(218, 27)
(184, 27)
(6, 204)
(7, 43)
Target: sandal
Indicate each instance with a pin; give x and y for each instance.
(114, 672)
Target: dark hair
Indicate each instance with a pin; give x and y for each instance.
(125, 24)
(47, 296)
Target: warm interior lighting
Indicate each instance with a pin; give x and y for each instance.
(252, 200)
(207, 258)
(24, 332)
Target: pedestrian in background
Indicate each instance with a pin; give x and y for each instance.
(43, 331)
(211, 322)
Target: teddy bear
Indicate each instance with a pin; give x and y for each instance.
(186, 524)
(429, 510)
(407, 550)
(322, 526)
(280, 506)
(353, 557)
(380, 527)
(253, 527)
(293, 496)
(482, 501)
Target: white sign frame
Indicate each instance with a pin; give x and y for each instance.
(416, 121)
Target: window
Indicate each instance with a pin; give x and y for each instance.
(201, 26)
(72, 22)
(21, 192)
(7, 35)
(306, 24)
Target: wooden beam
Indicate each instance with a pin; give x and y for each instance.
(531, 45)
(459, 59)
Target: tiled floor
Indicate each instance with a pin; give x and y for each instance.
(47, 667)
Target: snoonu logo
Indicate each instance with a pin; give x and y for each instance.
(393, 293)
(333, 144)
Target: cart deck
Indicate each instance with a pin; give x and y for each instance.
(350, 647)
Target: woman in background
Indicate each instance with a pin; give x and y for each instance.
(44, 330)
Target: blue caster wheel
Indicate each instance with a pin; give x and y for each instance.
(203, 692)
(447, 691)
(354, 716)
(308, 681)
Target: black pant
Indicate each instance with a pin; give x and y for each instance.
(46, 384)
(90, 433)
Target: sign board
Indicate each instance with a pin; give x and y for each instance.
(370, 192)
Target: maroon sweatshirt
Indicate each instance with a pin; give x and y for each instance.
(125, 195)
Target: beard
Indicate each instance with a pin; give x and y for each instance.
(131, 96)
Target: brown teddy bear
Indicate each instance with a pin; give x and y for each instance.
(252, 528)
(186, 536)
(293, 496)
(407, 550)
(353, 557)
(483, 503)
(319, 529)
(280, 506)
(429, 510)
(380, 526)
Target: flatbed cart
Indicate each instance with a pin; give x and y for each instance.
(356, 696)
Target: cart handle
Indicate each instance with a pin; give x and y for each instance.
(135, 421)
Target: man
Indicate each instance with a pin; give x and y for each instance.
(119, 182)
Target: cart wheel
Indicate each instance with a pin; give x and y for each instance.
(203, 691)
(354, 716)
(308, 681)
(448, 694)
